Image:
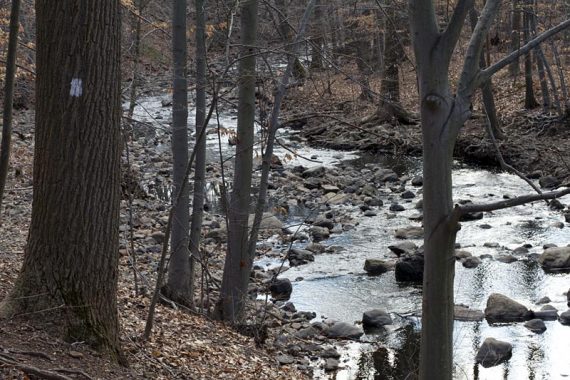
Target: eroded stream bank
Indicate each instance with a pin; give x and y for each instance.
(352, 200)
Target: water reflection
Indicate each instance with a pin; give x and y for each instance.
(399, 362)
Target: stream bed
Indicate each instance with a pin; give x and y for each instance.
(335, 286)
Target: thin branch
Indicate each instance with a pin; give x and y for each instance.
(488, 72)
(467, 82)
(502, 162)
(517, 201)
(147, 21)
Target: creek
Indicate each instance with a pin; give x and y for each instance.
(335, 285)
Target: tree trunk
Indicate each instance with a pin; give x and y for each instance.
(200, 168)
(179, 288)
(529, 100)
(9, 95)
(487, 88)
(317, 39)
(546, 103)
(238, 264)
(561, 77)
(442, 115)
(393, 54)
(71, 258)
(136, 59)
(514, 68)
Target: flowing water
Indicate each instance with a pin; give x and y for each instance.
(336, 286)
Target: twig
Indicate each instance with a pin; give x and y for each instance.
(502, 162)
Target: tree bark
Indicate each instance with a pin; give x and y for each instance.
(71, 259)
(238, 264)
(317, 39)
(393, 54)
(529, 99)
(514, 68)
(9, 96)
(442, 115)
(179, 288)
(487, 89)
(136, 58)
(200, 169)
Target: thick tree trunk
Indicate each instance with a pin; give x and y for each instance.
(238, 263)
(439, 230)
(200, 168)
(179, 288)
(71, 258)
(9, 95)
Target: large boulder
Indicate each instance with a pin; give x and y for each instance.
(300, 256)
(410, 268)
(281, 289)
(344, 330)
(557, 258)
(493, 352)
(501, 308)
(376, 266)
(376, 318)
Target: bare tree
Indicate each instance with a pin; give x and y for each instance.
(70, 264)
(9, 95)
(237, 266)
(443, 112)
(179, 286)
(200, 169)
